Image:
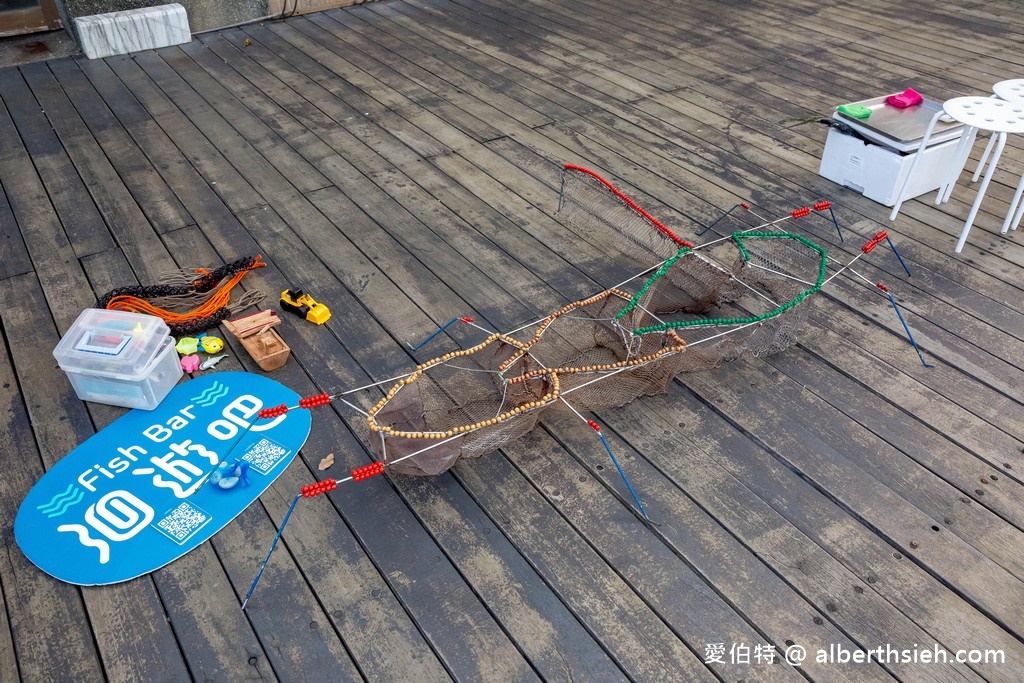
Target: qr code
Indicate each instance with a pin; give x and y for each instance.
(182, 522)
(264, 455)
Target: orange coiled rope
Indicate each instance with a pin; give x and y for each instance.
(209, 303)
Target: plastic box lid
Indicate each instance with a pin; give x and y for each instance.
(115, 344)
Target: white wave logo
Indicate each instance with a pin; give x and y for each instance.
(210, 396)
(61, 502)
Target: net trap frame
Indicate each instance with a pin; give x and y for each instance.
(746, 291)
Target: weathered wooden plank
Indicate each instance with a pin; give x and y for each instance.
(273, 147)
(200, 198)
(468, 279)
(88, 233)
(52, 254)
(479, 83)
(548, 633)
(541, 262)
(554, 101)
(8, 658)
(121, 212)
(747, 568)
(652, 568)
(922, 441)
(476, 124)
(636, 638)
(828, 555)
(891, 514)
(153, 105)
(161, 206)
(437, 77)
(14, 258)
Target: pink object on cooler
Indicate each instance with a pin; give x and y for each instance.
(907, 98)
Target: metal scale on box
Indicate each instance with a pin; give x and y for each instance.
(875, 159)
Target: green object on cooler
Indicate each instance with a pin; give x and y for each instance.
(856, 111)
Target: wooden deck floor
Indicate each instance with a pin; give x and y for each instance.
(401, 160)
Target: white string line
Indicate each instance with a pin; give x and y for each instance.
(847, 266)
(504, 395)
(761, 294)
(573, 409)
(721, 334)
(450, 364)
(354, 407)
(776, 272)
(613, 372)
(375, 384)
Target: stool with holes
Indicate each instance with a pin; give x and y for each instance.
(1012, 91)
(996, 116)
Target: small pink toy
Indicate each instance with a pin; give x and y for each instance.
(907, 98)
(190, 363)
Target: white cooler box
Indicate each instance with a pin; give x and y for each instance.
(878, 172)
(878, 168)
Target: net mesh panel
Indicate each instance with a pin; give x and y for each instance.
(593, 206)
(587, 347)
(733, 298)
(456, 406)
(775, 271)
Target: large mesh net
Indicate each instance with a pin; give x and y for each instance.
(702, 306)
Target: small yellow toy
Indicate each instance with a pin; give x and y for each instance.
(212, 344)
(303, 305)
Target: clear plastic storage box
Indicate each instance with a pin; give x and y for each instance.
(120, 358)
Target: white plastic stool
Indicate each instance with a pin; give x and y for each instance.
(1011, 90)
(976, 113)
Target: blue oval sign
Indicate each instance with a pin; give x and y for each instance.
(157, 483)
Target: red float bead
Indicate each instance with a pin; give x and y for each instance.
(272, 412)
(314, 401)
(316, 489)
(367, 471)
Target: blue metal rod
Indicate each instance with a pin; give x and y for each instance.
(428, 339)
(907, 328)
(833, 214)
(270, 552)
(889, 240)
(622, 474)
(717, 220)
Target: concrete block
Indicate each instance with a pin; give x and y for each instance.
(118, 33)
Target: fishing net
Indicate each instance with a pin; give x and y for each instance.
(702, 306)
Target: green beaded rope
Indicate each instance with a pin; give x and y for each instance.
(739, 238)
